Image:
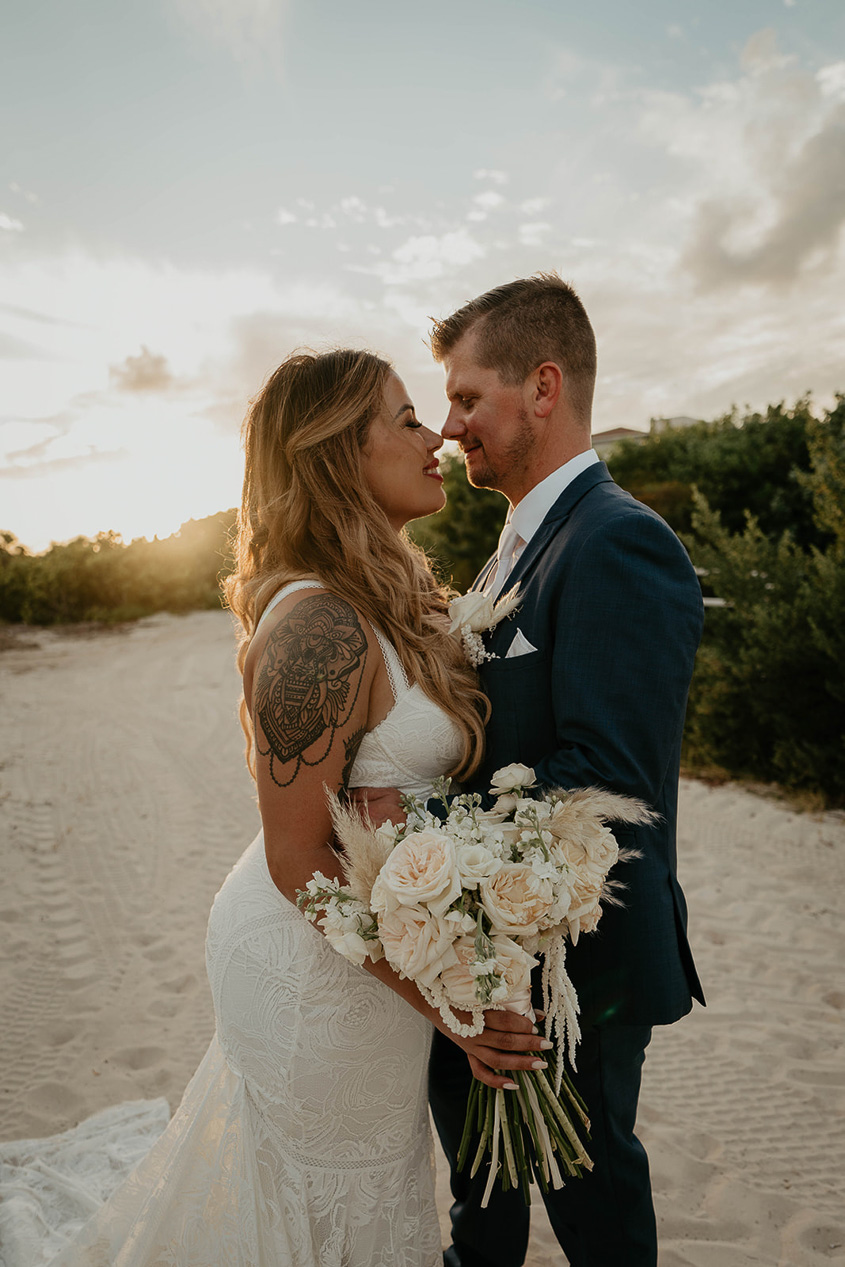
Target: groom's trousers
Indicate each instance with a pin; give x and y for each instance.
(606, 1218)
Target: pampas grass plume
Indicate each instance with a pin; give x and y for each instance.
(364, 852)
(588, 803)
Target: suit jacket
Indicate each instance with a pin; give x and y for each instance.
(613, 607)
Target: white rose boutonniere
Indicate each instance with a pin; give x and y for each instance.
(475, 613)
(512, 778)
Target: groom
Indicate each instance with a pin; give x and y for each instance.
(589, 687)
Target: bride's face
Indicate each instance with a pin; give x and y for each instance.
(399, 460)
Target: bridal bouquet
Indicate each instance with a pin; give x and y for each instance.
(463, 906)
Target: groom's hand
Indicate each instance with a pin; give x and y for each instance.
(508, 1041)
(378, 804)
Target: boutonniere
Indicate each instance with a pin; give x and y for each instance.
(475, 613)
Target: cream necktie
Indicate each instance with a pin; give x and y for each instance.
(510, 543)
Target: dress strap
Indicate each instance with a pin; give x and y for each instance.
(290, 588)
(399, 683)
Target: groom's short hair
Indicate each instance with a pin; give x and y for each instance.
(522, 324)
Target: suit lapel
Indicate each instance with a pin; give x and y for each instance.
(554, 520)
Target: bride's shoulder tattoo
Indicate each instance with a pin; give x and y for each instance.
(307, 683)
(350, 747)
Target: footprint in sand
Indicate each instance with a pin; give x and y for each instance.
(137, 1058)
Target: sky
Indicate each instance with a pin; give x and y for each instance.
(190, 189)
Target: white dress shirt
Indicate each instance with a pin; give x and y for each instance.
(526, 517)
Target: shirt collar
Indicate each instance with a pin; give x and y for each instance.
(528, 514)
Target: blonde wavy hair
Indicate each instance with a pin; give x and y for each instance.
(307, 512)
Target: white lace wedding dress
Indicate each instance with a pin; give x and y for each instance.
(302, 1139)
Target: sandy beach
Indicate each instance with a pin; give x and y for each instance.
(124, 802)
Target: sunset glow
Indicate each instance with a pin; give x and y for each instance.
(193, 190)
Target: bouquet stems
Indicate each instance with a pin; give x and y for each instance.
(527, 1134)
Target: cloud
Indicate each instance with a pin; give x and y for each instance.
(483, 204)
(33, 461)
(24, 193)
(532, 206)
(429, 256)
(805, 213)
(13, 349)
(60, 466)
(29, 314)
(495, 176)
(354, 208)
(488, 200)
(754, 190)
(534, 233)
(831, 80)
(146, 372)
(251, 30)
(761, 52)
(10, 225)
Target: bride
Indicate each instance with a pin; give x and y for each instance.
(302, 1139)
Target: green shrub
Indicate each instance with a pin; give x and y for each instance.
(768, 695)
(104, 580)
(752, 462)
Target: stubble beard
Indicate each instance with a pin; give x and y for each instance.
(509, 467)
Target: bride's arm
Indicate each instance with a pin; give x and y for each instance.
(308, 682)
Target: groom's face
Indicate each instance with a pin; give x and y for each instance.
(490, 421)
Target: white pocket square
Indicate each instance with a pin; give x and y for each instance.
(519, 646)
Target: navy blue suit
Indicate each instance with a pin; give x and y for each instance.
(612, 605)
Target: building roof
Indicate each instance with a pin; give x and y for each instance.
(601, 438)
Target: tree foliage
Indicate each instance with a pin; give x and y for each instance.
(104, 580)
(768, 695)
(752, 463)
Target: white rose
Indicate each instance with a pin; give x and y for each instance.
(417, 944)
(475, 863)
(511, 777)
(420, 870)
(516, 899)
(509, 962)
(514, 966)
(458, 980)
(474, 609)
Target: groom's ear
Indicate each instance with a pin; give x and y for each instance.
(546, 384)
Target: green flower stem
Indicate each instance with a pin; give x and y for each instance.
(509, 1169)
(567, 1083)
(540, 1162)
(468, 1123)
(517, 1127)
(547, 1140)
(546, 1091)
(486, 1132)
(536, 1132)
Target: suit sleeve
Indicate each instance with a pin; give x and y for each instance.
(627, 625)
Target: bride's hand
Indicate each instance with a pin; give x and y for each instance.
(377, 803)
(508, 1041)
